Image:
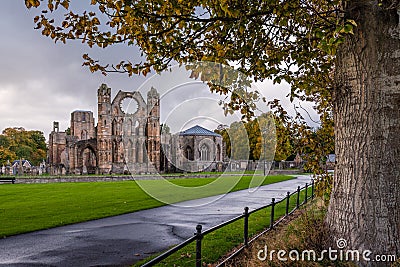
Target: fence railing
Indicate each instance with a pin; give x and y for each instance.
(198, 236)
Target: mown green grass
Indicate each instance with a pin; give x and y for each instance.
(30, 207)
(220, 242)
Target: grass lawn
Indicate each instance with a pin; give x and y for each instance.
(188, 174)
(30, 207)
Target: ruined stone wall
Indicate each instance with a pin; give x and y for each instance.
(56, 148)
(104, 129)
(82, 125)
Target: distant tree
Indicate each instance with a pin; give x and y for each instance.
(17, 143)
(164, 129)
(251, 136)
(239, 143)
(6, 155)
(284, 139)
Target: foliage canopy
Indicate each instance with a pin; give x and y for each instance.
(281, 40)
(17, 143)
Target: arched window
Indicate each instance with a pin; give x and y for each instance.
(115, 151)
(144, 153)
(121, 151)
(135, 129)
(204, 153)
(84, 135)
(189, 153)
(88, 158)
(130, 151)
(137, 151)
(114, 127)
(119, 126)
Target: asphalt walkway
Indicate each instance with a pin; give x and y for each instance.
(125, 239)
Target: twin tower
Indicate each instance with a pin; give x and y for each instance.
(126, 139)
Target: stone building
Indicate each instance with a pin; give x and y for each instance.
(198, 149)
(192, 150)
(122, 141)
(128, 139)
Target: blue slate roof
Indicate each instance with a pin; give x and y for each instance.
(198, 130)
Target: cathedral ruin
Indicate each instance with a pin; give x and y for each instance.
(129, 141)
(121, 141)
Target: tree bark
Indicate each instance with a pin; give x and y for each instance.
(365, 202)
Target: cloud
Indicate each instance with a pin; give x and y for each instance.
(41, 81)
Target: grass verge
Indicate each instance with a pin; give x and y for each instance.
(305, 232)
(221, 241)
(30, 207)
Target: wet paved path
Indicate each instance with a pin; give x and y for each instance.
(125, 239)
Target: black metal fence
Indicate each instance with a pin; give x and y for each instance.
(198, 236)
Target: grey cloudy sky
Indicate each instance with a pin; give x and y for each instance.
(42, 82)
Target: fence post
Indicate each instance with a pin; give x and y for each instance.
(312, 189)
(287, 202)
(298, 197)
(305, 199)
(271, 225)
(199, 236)
(246, 226)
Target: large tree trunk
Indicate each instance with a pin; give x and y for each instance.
(365, 202)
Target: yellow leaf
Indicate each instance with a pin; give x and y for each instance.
(32, 3)
(65, 4)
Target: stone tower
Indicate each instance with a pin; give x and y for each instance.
(153, 127)
(104, 128)
(82, 125)
(57, 144)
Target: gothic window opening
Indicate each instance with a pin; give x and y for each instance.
(137, 127)
(88, 160)
(120, 124)
(204, 153)
(144, 153)
(189, 153)
(137, 150)
(84, 135)
(114, 127)
(115, 152)
(130, 151)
